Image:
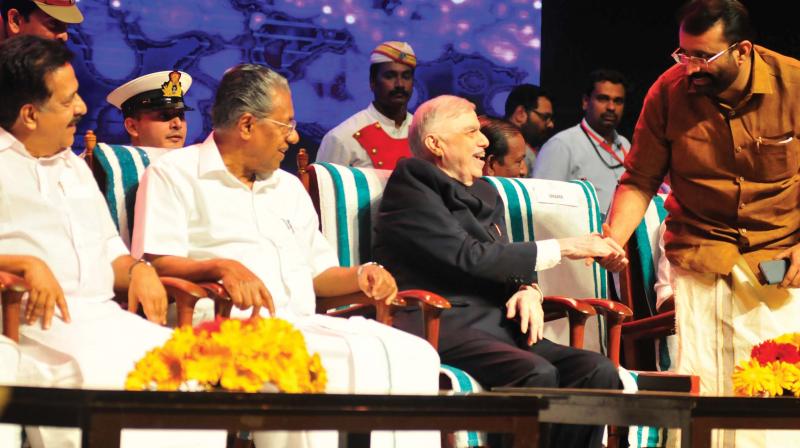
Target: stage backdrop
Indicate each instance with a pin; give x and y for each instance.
(478, 49)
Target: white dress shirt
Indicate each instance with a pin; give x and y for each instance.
(340, 147)
(51, 208)
(190, 205)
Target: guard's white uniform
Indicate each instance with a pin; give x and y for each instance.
(340, 147)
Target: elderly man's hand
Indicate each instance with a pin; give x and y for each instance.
(792, 277)
(146, 289)
(244, 288)
(527, 304)
(45, 293)
(594, 246)
(377, 282)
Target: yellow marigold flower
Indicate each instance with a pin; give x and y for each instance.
(752, 379)
(786, 374)
(234, 354)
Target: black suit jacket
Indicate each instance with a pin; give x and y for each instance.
(438, 234)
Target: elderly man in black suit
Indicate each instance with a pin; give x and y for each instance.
(440, 228)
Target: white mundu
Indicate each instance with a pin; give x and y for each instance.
(190, 205)
(51, 208)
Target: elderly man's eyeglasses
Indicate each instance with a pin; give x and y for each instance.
(542, 116)
(288, 128)
(685, 59)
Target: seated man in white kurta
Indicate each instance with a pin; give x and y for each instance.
(223, 210)
(56, 232)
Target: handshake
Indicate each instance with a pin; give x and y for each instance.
(595, 247)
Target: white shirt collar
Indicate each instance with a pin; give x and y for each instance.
(9, 141)
(210, 162)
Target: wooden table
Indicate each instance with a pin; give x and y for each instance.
(102, 414)
(695, 415)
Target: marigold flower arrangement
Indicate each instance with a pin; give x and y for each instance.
(236, 355)
(772, 370)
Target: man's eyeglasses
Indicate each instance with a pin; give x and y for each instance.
(685, 59)
(543, 117)
(288, 127)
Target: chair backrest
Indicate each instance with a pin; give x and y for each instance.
(117, 169)
(644, 253)
(539, 209)
(347, 199)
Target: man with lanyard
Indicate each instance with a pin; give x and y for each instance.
(154, 114)
(378, 135)
(529, 108)
(47, 18)
(723, 124)
(592, 149)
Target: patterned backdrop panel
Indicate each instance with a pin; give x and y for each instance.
(478, 49)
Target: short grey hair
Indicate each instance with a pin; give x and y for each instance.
(431, 116)
(245, 88)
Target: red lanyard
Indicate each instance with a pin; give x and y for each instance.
(609, 149)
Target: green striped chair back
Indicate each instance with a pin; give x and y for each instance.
(646, 237)
(348, 204)
(539, 209)
(347, 199)
(118, 169)
(645, 241)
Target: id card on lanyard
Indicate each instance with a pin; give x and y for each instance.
(599, 141)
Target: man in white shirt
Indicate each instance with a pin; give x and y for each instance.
(222, 210)
(377, 137)
(56, 232)
(154, 109)
(592, 149)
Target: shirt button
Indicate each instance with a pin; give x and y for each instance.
(741, 205)
(374, 150)
(738, 149)
(743, 231)
(732, 114)
(380, 163)
(740, 179)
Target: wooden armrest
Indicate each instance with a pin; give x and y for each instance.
(214, 290)
(432, 306)
(662, 324)
(615, 314)
(178, 286)
(11, 282)
(556, 307)
(425, 297)
(12, 288)
(612, 309)
(327, 303)
(567, 305)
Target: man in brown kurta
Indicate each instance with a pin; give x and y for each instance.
(723, 123)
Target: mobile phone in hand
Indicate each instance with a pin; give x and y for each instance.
(774, 271)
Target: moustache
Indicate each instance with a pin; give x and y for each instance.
(402, 92)
(696, 76)
(75, 120)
